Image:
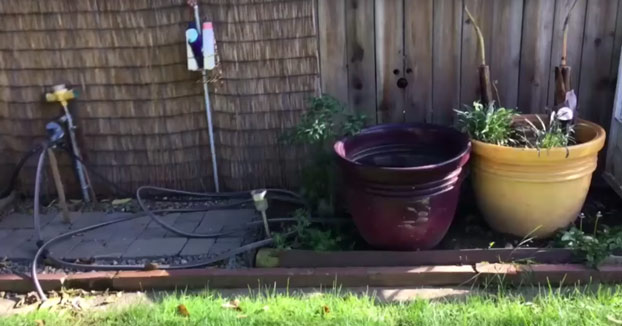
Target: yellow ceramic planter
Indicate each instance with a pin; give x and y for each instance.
(526, 193)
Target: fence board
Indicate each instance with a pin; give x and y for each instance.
(507, 19)
(418, 24)
(535, 55)
(332, 36)
(389, 59)
(596, 87)
(447, 42)
(575, 43)
(361, 58)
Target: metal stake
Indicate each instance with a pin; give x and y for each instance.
(76, 151)
(208, 110)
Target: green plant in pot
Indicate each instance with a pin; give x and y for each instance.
(530, 173)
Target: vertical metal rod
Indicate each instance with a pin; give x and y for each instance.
(76, 151)
(208, 109)
(210, 129)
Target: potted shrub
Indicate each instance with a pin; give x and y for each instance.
(530, 173)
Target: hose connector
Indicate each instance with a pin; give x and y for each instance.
(261, 205)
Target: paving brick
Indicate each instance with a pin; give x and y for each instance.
(52, 230)
(13, 240)
(24, 250)
(63, 248)
(197, 247)
(90, 281)
(225, 244)
(83, 219)
(238, 218)
(168, 219)
(184, 226)
(195, 217)
(155, 231)
(114, 248)
(19, 284)
(212, 222)
(155, 247)
(187, 222)
(23, 221)
(129, 229)
(86, 248)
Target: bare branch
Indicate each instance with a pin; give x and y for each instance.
(480, 37)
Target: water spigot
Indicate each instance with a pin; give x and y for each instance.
(261, 204)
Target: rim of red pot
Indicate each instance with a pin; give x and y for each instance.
(339, 147)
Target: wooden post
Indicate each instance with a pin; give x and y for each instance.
(562, 84)
(485, 85)
(60, 189)
(88, 181)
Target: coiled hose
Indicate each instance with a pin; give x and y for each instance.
(242, 198)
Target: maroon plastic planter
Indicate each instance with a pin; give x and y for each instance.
(402, 182)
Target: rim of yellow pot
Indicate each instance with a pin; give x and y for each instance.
(591, 138)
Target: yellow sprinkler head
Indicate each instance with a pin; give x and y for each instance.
(61, 94)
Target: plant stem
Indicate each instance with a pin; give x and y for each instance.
(480, 37)
(484, 70)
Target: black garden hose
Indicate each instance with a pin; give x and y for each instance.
(13, 180)
(275, 194)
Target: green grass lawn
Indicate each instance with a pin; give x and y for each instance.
(578, 306)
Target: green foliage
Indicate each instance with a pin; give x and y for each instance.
(545, 136)
(490, 125)
(594, 247)
(322, 124)
(498, 126)
(324, 121)
(306, 236)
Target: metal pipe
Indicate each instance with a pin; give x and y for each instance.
(208, 109)
(74, 146)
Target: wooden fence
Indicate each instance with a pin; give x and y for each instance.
(141, 113)
(367, 46)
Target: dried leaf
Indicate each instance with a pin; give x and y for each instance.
(325, 309)
(40, 322)
(183, 311)
(233, 304)
(121, 201)
(31, 298)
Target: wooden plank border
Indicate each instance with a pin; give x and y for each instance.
(258, 278)
(317, 259)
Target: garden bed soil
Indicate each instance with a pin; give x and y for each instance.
(469, 240)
